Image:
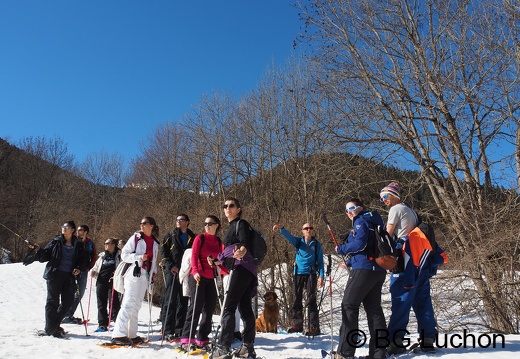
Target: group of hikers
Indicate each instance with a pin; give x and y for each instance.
(191, 263)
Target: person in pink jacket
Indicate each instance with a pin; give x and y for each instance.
(206, 247)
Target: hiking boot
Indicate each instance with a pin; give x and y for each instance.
(203, 346)
(294, 329)
(426, 345)
(396, 347)
(221, 352)
(183, 348)
(245, 351)
(67, 320)
(58, 333)
(172, 337)
(100, 329)
(121, 341)
(137, 340)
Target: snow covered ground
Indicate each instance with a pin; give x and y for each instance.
(22, 301)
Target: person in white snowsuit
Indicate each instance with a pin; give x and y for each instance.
(141, 251)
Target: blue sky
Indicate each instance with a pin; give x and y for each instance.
(102, 74)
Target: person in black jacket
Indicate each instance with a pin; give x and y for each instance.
(103, 270)
(66, 258)
(175, 305)
(242, 288)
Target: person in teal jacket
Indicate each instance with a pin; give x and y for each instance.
(308, 273)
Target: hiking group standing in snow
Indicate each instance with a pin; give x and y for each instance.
(133, 271)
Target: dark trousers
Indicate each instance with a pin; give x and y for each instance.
(238, 295)
(61, 284)
(204, 301)
(363, 286)
(82, 283)
(174, 318)
(105, 295)
(307, 282)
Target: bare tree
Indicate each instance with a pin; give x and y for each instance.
(435, 85)
(53, 150)
(104, 169)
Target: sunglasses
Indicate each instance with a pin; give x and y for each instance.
(209, 224)
(144, 223)
(351, 208)
(181, 220)
(65, 227)
(308, 228)
(107, 243)
(231, 205)
(383, 197)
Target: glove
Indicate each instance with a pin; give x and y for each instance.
(28, 259)
(137, 270)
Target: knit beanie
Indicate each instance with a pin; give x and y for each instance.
(392, 188)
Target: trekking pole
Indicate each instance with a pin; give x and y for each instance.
(150, 297)
(324, 217)
(214, 342)
(328, 273)
(215, 274)
(81, 306)
(111, 308)
(89, 295)
(192, 316)
(167, 308)
(321, 299)
(163, 275)
(16, 234)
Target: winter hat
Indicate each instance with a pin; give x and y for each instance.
(392, 188)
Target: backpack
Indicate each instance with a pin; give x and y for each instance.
(257, 244)
(119, 274)
(386, 252)
(426, 228)
(429, 233)
(424, 246)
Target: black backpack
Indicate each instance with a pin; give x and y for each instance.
(386, 253)
(427, 229)
(257, 244)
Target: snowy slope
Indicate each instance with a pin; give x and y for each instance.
(22, 301)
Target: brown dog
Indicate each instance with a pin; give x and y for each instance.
(268, 320)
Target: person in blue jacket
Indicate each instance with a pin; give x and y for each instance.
(308, 272)
(364, 284)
